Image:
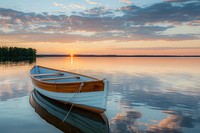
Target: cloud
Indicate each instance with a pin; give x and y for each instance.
(179, 1)
(126, 1)
(59, 5)
(92, 3)
(157, 48)
(76, 6)
(72, 6)
(97, 12)
(127, 23)
(162, 12)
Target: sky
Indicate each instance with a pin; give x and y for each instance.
(147, 27)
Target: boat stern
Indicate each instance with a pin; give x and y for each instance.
(105, 95)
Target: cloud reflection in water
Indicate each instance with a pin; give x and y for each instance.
(14, 79)
(145, 95)
(179, 107)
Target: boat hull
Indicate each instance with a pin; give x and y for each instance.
(91, 95)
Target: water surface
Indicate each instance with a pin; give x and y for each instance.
(146, 94)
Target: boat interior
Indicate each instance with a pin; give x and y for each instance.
(51, 75)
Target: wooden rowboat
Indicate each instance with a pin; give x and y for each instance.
(76, 89)
(78, 120)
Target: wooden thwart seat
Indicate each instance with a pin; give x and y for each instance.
(58, 78)
(48, 74)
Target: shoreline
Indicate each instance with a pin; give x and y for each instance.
(79, 55)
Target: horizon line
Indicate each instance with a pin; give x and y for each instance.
(110, 55)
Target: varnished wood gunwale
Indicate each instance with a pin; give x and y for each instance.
(68, 87)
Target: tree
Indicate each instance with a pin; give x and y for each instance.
(15, 52)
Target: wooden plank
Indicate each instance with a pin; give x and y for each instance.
(58, 78)
(69, 87)
(48, 74)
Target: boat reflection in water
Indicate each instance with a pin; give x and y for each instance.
(76, 121)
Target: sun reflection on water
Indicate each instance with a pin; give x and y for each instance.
(71, 59)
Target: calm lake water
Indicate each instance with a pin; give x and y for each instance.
(146, 95)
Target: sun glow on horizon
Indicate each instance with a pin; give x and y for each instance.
(189, 47)
(102, 28)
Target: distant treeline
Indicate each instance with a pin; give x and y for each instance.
(15, 52)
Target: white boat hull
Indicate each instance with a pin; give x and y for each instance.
(91, 99)
(82, 91)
